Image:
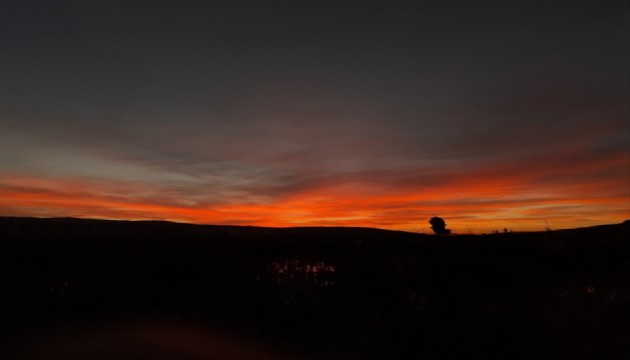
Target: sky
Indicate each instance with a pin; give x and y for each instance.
(499, 114)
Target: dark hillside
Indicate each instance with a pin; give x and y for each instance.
(339, 293)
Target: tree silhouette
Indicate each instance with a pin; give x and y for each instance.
(439, 226)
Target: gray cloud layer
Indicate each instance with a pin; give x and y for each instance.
(235, 101)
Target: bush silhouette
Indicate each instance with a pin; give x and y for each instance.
(439, 226)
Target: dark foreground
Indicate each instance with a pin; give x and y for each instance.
(87, 289)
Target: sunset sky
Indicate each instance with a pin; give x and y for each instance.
(491, 115)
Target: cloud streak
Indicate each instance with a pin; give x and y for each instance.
(520, 196)
(316, 114)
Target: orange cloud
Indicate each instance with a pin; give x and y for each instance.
(520, 196)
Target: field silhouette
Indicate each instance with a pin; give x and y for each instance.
(316, 293)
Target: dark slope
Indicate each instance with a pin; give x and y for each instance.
(70, 225)
(340, 293)
(73, 228)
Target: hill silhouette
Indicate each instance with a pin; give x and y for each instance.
(335, 293)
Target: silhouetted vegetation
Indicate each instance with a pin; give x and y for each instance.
(338, 293)
(438, 225)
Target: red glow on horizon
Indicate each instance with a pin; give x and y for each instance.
(477, 202)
